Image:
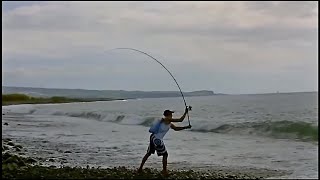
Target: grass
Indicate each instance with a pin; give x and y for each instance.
(12, 99)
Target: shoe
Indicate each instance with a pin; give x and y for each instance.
(139, 171)
(165, 173)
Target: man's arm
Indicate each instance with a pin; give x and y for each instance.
(179, 128)
(182, 117)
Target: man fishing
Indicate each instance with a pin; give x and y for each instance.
(158, 130)
(163, 125)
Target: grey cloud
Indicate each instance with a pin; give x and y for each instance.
(301, 9)
(255, 35)
(208, 45)
(10, 5)
(52, 21)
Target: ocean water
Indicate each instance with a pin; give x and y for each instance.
(271, 131)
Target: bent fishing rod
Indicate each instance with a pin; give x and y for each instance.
(189, 107)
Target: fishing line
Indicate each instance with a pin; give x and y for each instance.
(189, 107)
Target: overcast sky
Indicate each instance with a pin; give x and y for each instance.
(227, 47)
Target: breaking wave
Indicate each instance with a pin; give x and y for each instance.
(277, 129)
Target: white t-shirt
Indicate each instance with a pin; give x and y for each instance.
(163, 129)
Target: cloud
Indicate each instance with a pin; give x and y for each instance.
(224, 37)
(296, 9)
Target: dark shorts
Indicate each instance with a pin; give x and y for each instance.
(157, 145)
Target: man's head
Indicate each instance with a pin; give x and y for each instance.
(168, 114)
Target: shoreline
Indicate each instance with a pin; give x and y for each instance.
(15, 164)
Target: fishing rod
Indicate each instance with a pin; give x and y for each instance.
(189, 107)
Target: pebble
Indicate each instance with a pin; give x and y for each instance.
(10, 144)
(7, 140)
(30, 160)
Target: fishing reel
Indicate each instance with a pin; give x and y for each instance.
(189, 108)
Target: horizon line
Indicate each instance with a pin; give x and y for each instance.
(277, 92)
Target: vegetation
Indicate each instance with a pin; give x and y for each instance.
(11, 99)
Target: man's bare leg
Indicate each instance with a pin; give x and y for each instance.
(144, 159)
(164, 164)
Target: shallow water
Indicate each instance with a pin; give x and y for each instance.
(116, 133)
